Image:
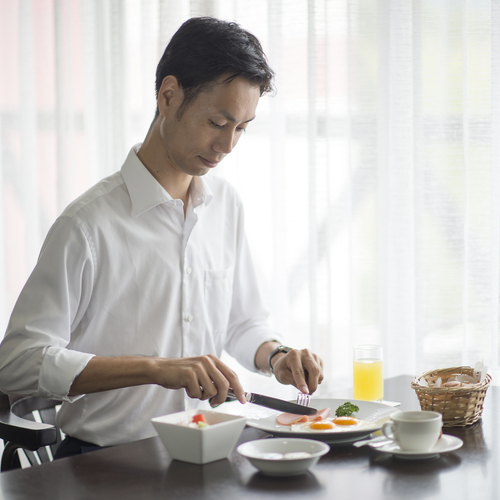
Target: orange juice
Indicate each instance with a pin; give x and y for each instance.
(368, 380)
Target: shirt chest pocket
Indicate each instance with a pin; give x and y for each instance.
(218, 297)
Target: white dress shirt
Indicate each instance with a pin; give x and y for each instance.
(123, 272)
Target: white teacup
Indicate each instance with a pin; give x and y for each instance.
(414, 430)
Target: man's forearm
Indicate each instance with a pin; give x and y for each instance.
(203, 377)
(262, 355)
(107, 373)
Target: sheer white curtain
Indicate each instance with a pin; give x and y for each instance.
(371, 179)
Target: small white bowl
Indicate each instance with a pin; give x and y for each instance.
(199, 445)
(282, 456)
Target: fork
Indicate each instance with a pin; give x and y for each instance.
(303, 399)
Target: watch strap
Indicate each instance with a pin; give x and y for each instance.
(280, 348)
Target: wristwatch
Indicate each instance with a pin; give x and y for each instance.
(280, 348)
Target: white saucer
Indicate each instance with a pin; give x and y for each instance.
(445, 444)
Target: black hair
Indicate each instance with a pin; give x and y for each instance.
(203, 49)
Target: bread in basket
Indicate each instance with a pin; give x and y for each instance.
(461, 405)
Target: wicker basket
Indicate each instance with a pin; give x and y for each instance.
(460, 406)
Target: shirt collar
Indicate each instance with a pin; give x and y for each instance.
(146, 192)
(200, 192)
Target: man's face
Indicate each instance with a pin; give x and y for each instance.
(209, 127)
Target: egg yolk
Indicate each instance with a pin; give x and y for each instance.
(345, 421)
(321, 426)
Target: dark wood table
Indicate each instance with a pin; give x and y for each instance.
(144, 470)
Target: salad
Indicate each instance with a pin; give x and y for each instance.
(198, 421)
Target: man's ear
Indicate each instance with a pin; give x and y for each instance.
(170, 95)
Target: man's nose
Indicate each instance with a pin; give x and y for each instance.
(225, 143)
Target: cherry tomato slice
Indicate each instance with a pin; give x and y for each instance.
(199, 417)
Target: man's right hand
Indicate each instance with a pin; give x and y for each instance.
(202, 377)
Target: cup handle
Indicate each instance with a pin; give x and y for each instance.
(387, 430)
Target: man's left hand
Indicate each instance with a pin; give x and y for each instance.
(299, 367)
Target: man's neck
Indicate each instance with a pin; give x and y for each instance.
(154, 157)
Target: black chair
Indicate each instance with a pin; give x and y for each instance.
(28, 424)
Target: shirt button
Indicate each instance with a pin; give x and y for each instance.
(188, 270)
(189, 318)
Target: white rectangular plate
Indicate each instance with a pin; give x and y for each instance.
(377, 413)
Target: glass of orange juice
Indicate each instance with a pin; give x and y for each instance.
(368, 381)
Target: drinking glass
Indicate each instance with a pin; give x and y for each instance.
(368, 381)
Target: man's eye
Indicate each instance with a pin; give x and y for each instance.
(216, 125)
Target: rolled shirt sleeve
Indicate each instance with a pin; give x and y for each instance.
(34, 356)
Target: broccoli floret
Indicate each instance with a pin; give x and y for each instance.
(346, 410)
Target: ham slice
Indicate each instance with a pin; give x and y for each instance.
(291, 418)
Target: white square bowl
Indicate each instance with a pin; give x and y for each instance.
(199, 445)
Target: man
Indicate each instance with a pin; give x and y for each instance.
(146, 278)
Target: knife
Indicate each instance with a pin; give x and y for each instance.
(273, 403)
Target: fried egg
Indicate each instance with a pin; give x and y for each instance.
(345, 421)
(337, 424)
